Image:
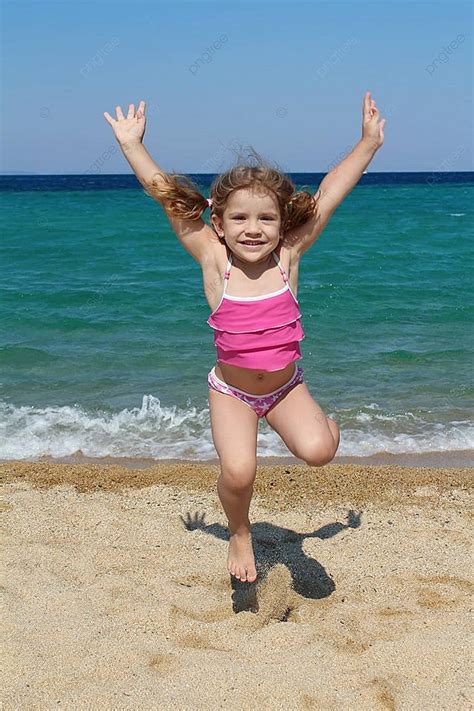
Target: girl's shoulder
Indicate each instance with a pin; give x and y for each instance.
(286, 256)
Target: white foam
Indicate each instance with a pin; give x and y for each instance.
(153, 431)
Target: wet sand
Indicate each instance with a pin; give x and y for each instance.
(116, 592)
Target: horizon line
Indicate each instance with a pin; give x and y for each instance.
(289, 172)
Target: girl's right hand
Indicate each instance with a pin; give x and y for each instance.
(128, 130)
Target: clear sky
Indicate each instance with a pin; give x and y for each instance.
(287, 77)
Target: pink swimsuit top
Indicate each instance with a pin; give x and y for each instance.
(258, 332)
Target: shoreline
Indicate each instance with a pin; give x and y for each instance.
(282, 486)
(440, 459)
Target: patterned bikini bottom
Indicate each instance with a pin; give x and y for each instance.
(260, 404)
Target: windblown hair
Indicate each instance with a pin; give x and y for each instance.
(181, 197)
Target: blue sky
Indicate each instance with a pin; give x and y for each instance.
(285, 77)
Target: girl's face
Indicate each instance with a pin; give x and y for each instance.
(250, 225)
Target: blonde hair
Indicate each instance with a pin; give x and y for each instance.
(181, 197)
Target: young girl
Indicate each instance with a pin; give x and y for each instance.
(261, 227)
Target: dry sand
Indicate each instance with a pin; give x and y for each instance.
(116, 593)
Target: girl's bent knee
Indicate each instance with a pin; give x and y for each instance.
(320, 455)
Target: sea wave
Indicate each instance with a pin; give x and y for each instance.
(157, 432)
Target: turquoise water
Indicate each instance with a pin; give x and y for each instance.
(105, 347)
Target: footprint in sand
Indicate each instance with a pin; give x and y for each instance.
(272, 599)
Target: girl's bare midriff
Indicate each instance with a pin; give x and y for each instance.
(256, 382)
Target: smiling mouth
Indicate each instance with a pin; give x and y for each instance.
(252, 243)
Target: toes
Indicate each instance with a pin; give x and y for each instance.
(242, 574)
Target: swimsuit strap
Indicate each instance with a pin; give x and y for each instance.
(227, 272)
(283, 273)
(229, 263)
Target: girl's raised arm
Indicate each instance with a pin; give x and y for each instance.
(129, 133)
(340, 180)
(195, 235)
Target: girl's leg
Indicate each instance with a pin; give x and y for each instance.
(304, 427)
(234, 428)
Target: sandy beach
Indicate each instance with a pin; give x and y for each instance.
(116, 593)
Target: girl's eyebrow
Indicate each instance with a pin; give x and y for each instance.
(263, 212)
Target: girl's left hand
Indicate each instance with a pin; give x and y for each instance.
(372, 126)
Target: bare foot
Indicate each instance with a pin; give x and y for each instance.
(240, 559)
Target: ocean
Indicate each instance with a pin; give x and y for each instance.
(105, 350)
